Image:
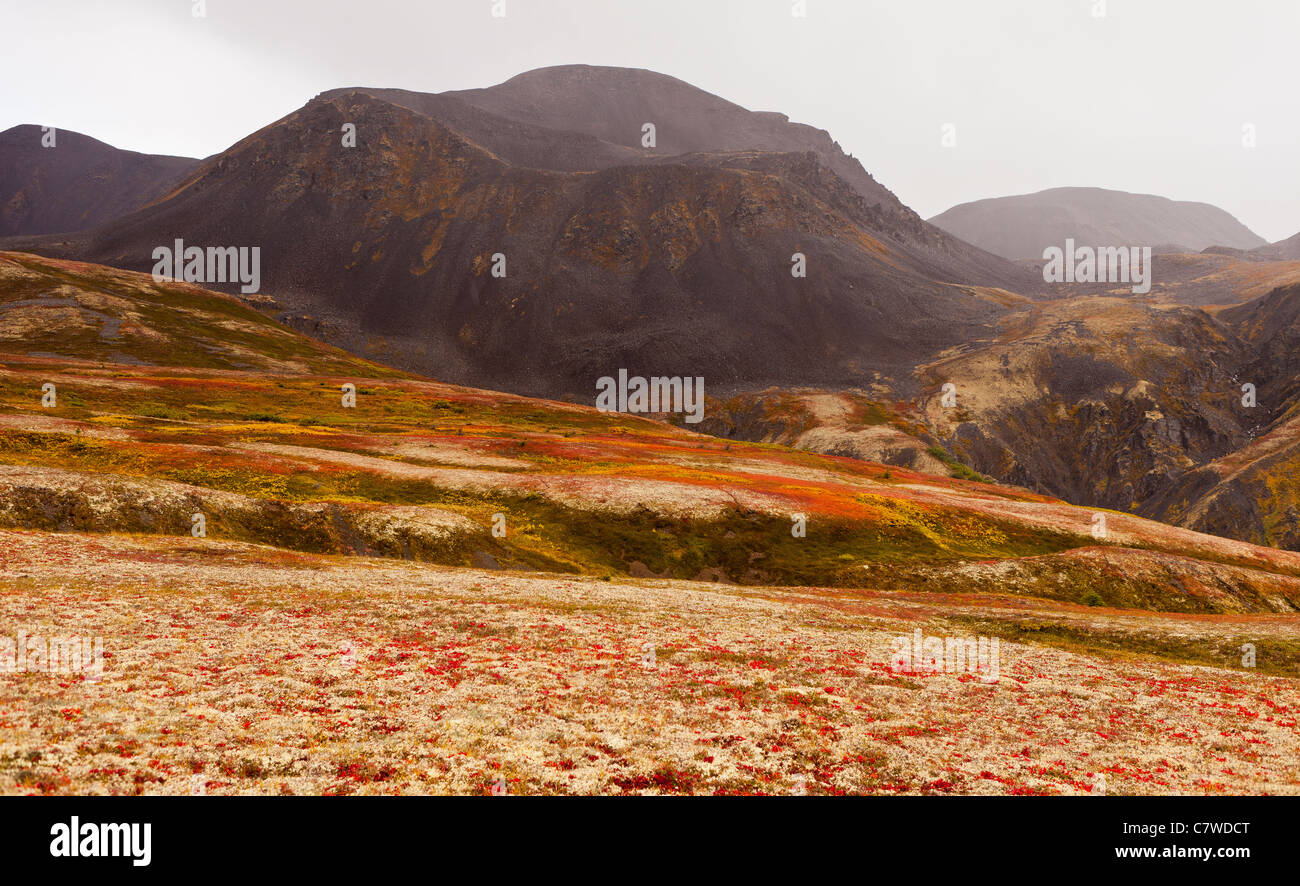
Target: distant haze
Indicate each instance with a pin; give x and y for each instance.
(1023, 226)
(1151, 98)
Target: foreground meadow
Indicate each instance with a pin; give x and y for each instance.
(233, 668)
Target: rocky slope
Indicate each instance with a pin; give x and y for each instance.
(74, 311)
(613, 104)
(675, 260)
(1140, 407)
(1253, 493)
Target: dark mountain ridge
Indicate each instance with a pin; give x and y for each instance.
(78, 183)
(664, 265)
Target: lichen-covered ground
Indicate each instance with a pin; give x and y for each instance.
(233, 668)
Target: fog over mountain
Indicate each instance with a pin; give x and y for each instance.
(1019, 83)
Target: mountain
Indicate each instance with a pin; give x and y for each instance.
(1283, 250)
(676, 261)
(77, 183)
(1021, 227)
(1067, 403)
(1105, 401)
(1139, 407)
(618, 258)
(613, 105)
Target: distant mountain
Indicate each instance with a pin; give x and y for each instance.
(1283, 250)
(616, 257)
(1021, 227)
(76, 184)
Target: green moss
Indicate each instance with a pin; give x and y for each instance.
(161, 410)
(1273, 656)
(867, 413)
(956, 469)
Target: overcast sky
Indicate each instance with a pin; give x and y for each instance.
(1152, 97)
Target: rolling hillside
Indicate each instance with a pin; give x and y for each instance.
(374, 591)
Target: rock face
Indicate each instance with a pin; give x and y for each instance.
(1253, 493)
(1271, 326)
(1021, 227)
(1129, 406)
(77, 183)
(1098, 400)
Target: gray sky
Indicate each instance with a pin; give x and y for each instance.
(1151, 98)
